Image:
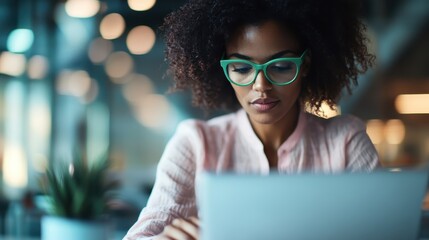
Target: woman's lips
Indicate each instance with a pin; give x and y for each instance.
(264, 104)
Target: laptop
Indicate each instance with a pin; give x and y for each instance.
(377, 205)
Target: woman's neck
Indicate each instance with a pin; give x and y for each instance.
(273, 135)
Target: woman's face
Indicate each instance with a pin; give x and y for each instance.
(264, 102)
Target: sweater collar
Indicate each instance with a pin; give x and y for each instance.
(249, 134)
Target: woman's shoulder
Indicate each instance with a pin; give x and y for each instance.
(342, 123)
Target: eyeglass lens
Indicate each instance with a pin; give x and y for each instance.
(279, 72)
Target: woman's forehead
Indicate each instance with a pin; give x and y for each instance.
(266, 38)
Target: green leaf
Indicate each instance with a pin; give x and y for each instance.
(81, 194)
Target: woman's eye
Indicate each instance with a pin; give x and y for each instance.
(282, 67)
(241, 68)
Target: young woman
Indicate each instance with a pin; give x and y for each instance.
(268, 59)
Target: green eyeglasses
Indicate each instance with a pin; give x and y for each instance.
(279, 71)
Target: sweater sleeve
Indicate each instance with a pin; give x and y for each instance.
(173, 194)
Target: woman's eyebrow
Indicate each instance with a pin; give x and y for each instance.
(277, 55)
(280, 54)
(237, 55)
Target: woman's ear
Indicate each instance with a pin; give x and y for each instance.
(306, 64)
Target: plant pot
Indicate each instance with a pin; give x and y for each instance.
(55, 228)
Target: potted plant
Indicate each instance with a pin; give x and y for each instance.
(76, 201)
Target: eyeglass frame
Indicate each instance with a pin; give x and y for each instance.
(298, 61)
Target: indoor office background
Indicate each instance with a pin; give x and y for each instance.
(90, 77)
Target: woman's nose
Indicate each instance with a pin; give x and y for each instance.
(261, 83)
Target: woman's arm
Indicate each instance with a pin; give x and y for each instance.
(173, 195)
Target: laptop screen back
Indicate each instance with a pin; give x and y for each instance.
(377, 205)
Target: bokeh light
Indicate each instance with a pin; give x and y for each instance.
(375, 130)
(329, 112)
(12, 64)
(395, 131)
(119, 64)
(14, 156)
(137, 88)
(154, 111)
(39, 126)
(14, 166)
(112, 26)
(325, 110)
(38, 67)
(82, 8)
(141, 5)
(141, 39)
(73, 83)
(99, 50)
(412, 103)
(20, 40)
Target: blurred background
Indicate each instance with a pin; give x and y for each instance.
(90, 75)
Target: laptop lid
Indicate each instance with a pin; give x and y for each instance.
(377, 205)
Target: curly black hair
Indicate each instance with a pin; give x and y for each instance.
(196, 34)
